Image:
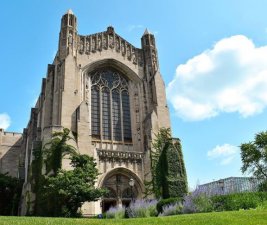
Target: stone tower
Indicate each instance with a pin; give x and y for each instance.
(112, 95)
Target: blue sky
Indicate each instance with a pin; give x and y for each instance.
(213, 59)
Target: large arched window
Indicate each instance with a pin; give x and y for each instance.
(110, 106)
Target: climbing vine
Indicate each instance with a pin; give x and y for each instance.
(167, 167)
(56, 149)
(60, 192)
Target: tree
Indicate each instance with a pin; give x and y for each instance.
(56, 149)
(62, 192)
(10, 192)
(167, 167)
(254, 156)
(73, 188)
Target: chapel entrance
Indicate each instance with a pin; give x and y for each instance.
(120, 193)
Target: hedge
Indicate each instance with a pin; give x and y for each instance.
(238, 201)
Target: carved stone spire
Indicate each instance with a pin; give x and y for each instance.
(68, 34)
(150, 52)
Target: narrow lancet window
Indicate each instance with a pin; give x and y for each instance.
(126, 117)
(116, 115)
(95, 112)
(106, 119)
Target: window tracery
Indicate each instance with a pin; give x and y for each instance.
(111, 88)
(127, 193)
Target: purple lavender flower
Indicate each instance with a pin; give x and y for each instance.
(143, 208)
(172, 209)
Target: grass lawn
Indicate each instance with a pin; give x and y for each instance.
(238, 218)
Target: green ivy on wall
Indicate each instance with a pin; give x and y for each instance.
(168, 171)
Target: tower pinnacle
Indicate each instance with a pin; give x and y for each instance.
(147, 32)
(69, 12)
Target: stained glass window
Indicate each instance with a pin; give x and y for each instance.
(112, 89)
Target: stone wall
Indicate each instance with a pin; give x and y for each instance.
(10, 144)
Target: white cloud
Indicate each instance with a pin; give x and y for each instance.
(5, 120)
(131, 27)
(221, 151)
(231, 77)
(226, 153)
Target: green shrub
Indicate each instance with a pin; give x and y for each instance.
(120, 214)
(239, 201)
(153, 211)
(168, 201)
(262, 186)
(10, 193)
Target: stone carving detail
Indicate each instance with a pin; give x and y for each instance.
(128, 52)
(107, 40)
(120, 156)
(70, 39)
(133, 56)
(93, 44)
(104, 43)
(117, 44)
(99, 43)
(81, 45)
(111, 41)
(87, 46)
(123, 48)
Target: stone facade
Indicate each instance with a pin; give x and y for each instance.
(94, 77)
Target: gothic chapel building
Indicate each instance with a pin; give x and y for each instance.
(108, 92)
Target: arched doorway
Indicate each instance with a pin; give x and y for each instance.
(117, 182)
